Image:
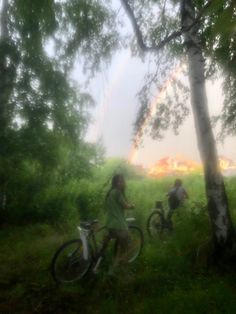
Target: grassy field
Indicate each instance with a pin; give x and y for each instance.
(169, 277)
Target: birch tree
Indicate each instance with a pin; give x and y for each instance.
(182, 30)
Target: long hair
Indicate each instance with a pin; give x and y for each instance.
(115, 185)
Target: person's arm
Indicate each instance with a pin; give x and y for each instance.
(122, 201)
(169, 192)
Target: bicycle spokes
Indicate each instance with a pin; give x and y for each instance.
(156, 225)
(69, 264)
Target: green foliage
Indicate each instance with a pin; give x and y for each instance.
(218, 35)
(92, 191)
(90, 199)
(146, 192)
(230, 183)
(114, 166)
(168, 276)
(156, 20)
(43, 114)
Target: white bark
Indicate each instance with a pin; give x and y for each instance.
(3, 20)
(217, 199)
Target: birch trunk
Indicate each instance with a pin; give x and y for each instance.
(214, 184)
(4, 71)
(7, 75)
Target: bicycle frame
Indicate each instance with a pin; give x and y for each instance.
(78, 256)
(130, 219)
(84, 233)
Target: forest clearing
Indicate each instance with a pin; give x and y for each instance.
(170, 276)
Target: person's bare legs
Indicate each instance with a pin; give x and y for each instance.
(121, 257)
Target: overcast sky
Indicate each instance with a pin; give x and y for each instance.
(114, 91)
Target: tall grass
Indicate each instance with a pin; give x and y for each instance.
(169, 277)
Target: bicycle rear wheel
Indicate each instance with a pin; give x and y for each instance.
(135, 243)
(68, 264)
(155, 224)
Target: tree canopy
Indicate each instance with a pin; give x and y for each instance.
(43, 113)
(157, 26)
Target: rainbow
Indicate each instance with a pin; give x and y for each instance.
(152, 111)
(116, 74)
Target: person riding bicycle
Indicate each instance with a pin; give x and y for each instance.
(115, 204)
(176, 197)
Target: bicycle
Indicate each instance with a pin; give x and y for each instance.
(73, 260)
(159, 221)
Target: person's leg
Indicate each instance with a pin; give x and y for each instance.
(168, 218)
(100, 254)
(125, 248)
(169, 214)
(123, 240)
(105, 242)
(121, 236)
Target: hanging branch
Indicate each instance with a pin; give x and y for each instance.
(163, 13)
(168, 38)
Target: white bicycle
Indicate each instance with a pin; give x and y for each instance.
(75, 258)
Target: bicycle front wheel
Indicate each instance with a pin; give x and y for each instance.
(154, 224)
(135, 243)
(68, 264)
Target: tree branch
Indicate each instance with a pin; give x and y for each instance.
(168, 38)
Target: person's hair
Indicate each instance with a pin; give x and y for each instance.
(178, 182)
(114, 184)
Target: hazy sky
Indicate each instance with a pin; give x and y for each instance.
(114, 91)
